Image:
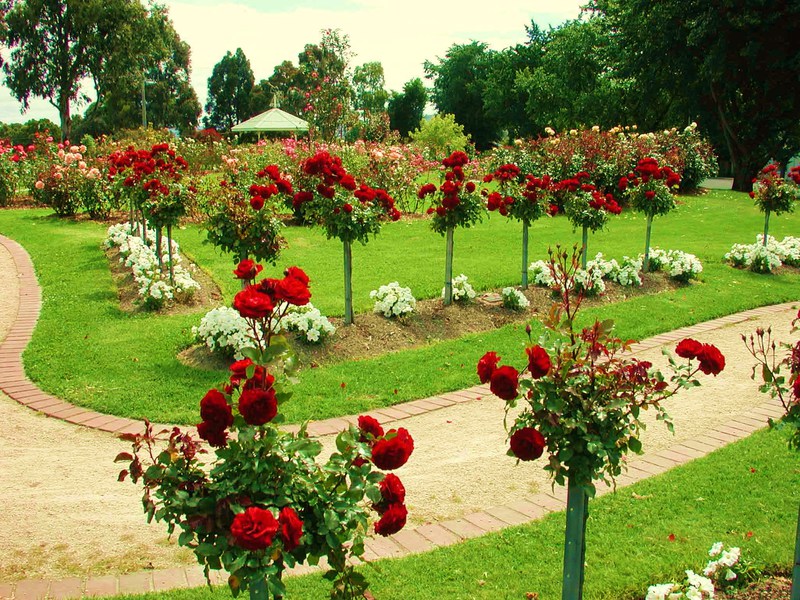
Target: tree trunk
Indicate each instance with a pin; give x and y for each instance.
(796, 568)
(575, 542)
(584, 247)
(524, 255)
(64, 115)
(646, 262)
(348, 284)
(448, 269)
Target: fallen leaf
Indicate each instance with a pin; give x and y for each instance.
(638, 497)
(671, 537)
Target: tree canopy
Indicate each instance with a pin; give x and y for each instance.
(229, 91)
(406, 108)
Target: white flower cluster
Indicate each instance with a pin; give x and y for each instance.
(677, 264)
(154, 284)
(224, 331)
(540, 273)
(462, 289)
(391, 300)
(700, 587)
(765, 259)
(514, 299)
(308, 321)
(590, 280)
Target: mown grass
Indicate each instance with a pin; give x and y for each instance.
(86, 350)
(742, 495)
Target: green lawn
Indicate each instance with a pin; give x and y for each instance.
(87, 351)
(742, 495)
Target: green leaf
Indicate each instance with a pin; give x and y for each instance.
(206, 549)
(635, 445)
(766, 374)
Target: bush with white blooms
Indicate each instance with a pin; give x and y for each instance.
(393, 300)
(309, 323)
(155, 288)
(514, 299)
(462, 289)
(725, 570)
(765, 258)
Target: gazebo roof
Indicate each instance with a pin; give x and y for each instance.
(274, 119)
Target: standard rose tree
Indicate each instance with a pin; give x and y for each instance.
(582, 399)
(266, 501)
(780, 374)
(774, 194)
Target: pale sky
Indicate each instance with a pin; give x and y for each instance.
(399, 34)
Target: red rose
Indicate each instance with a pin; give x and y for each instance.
(347, 182)
(301, 198)
(688, 348)
(392, 521)
(260, 380)
(247, 270)
(254, 528)
(239, 369)
(369, 425)
(257, 202)
(215, 410)
(291, 528)
(527, 443)
(470, 186)
(293, 291)
(796, 388)
(251, 303)
(348, 208)
(258, 406)
(216, 436)
(711, 360)
(486, 366)
(297, 273)
(392, 452)
(504, 382)
(649, 194)
(538, 361)
(392, 491)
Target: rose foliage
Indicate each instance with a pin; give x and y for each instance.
(583, 397)
(266, 500)
(456, 201)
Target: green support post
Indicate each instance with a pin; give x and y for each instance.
(584, 247)
(169, 252)
(348, 284)
(524, 255)
(646, 263)
(448, 269)
(766, 227)
(796, 568)
(575, 542)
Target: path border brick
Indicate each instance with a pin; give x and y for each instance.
(15, 384)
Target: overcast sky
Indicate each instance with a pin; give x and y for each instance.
(399, 34)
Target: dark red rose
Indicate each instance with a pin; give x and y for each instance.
(216, 436)
(796, 388)
(239, 369)
(291, 527)
(251, 303)
(538, 361)
(392, 521)
(247, 270)
(258, 406)
(254, 529)
(261, 379)
(392, 490)
(301, 198)
(504, 382)
(215, 410)
(392, 451)
(348, 208)
(369, 426)
(711, 360)
(527, 443)
(293, 291)
(257, 202)
(486, 366)
(470, 186)
(347, 182)
(297, 273)
(688, 348)
(649, 194)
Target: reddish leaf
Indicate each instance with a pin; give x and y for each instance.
(122, 475)
(123, 456)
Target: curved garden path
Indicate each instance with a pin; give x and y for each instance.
(68, 528)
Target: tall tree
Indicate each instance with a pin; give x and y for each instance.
(458, 85)
(730, 64)
(369, 93)
(406, 108)
(229, 89)
(57, 43)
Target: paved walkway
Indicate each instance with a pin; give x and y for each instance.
(425, 537)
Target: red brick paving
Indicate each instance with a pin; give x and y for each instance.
(420, 539)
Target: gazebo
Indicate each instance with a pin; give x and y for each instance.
(274, 119)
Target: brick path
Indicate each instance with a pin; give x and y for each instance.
(425, 537)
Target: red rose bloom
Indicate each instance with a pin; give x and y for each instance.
(239, 369)
(527, 443)
(257, 202)
(258, 406)
(369, 425)
(392, 521)
(538, 361)
(711, 360)
(391, 453)
(688, 348)
(296, 273)
(293, 291)
(215, 410)
(796, 388)
(254, 529)
(251, 303)
(392, 491)
(504, 382)
(291, 528)
(486, 366)
(261, 379)
(247, 270)
(216, 436)
(347, 207)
